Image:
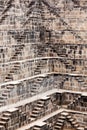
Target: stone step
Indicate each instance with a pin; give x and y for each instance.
(76, 125)
(5, 94)
(59, 120)
(34, 115)
(36, 128)
(71, 119)
(40, 105)
(69, 116)
(59, 124)
(40, 102)
(2, 127)
(6, 114)
(74, 122)
(35, 112)
(62, 117)
(57, 127)
(37, 108)
(4, 118)
(64, 114)
(3, 123)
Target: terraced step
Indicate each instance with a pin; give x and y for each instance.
(36, 128)
(35, 111)
(6, 114)
(33, 115)
(4, 119)
(59, 124)
(57, 127)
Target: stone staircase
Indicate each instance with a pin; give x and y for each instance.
(74, 123)
(36, 128)
(16, 67)
(8, 119)
(37, 70)
(13, 70)
(40, 50)
(4, 120)
(37, 111)
(61, 120)
(5, 95)
(3, 15)
(34, 89)
(18, 51)
(54, 10)
(36, 85)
